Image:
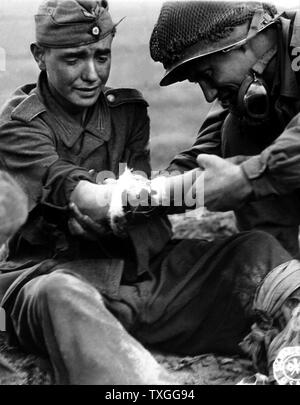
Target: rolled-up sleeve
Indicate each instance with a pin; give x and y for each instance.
(61, 179)
(208, 141)
(277, 169)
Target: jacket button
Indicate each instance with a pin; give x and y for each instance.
(111, 98)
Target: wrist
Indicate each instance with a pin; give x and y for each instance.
(244, 186)
(92, 199)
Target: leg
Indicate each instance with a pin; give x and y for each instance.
(203, 299)
(63, 316)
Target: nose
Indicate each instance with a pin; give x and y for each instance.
(209, 91)
(90, 73)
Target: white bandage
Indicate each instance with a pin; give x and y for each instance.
(127, 190)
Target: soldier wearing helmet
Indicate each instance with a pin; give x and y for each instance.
(243, 55)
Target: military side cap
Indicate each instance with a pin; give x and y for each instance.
(71, 23)
(187, 30)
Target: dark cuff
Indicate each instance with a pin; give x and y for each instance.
(58, 189)
(256, 171)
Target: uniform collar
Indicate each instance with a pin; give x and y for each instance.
(97, 121)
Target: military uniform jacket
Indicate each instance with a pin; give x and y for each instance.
(48, 152)
(270, 154)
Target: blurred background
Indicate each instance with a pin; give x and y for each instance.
(176, 111)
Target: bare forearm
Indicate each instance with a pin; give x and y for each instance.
(180, 191)
(92, 199)
(107, 201)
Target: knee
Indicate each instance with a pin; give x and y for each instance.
(61, 288)
(262, 243)
(262, 238)
(261, 250)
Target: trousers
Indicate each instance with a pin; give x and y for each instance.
(197, 299)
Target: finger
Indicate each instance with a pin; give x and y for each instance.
(110, 181)
(86, 223)
(210, 161)
(75, 228)
(75, 210)
(84, 220)
(79, 218)
(237, 160)
(93, 226)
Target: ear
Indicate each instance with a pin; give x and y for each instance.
(38, 53)
(104, 4)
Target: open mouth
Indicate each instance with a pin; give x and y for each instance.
(88, 91)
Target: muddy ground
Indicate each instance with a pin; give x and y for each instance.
(207, 369)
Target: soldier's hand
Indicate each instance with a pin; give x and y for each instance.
(225, 184)
(83, 226)
(239, 159)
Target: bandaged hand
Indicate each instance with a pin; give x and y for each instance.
(98, 209)
(89, 206)
(226, 187)
(85, 227)
(136, 196)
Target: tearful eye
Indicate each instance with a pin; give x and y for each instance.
(292, 302)
(71, 61)
(102, 59)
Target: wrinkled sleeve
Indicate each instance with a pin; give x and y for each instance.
(157, 231)
(30, 155)
(137, 146)
(277, 169)
(61, 179)
(208, 141)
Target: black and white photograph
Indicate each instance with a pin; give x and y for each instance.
(149, 195)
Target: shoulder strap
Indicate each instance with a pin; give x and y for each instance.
(28, 109)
